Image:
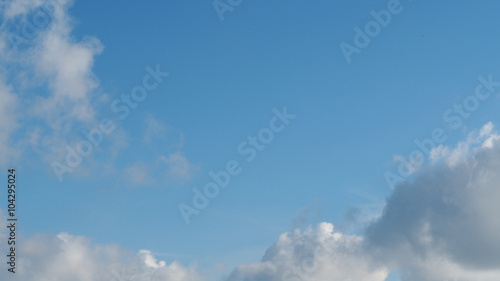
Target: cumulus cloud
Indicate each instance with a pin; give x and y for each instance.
(319, 254)
(47, 257)
(443, 224)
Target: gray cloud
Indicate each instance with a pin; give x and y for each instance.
(441, 225)
(444, 223)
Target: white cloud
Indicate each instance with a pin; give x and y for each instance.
(442, 225)
(45, 257)
(67, 67)
(49, 74)
(53, 57)
(52, 79)
(474, 141)
(319, 254)
(439, 153)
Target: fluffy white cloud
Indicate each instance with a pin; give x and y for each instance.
(49, 55)
(67, 67)
(319, 254)
(440, 226)
(46, 257)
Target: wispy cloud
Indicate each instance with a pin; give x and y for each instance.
(48, 72)
(155, 129)
(163, 144)
(50, 76)
(178, 166)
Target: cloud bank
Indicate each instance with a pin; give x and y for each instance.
(442, 225)
(46, 257)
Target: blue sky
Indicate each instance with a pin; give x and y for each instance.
(225, 78)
